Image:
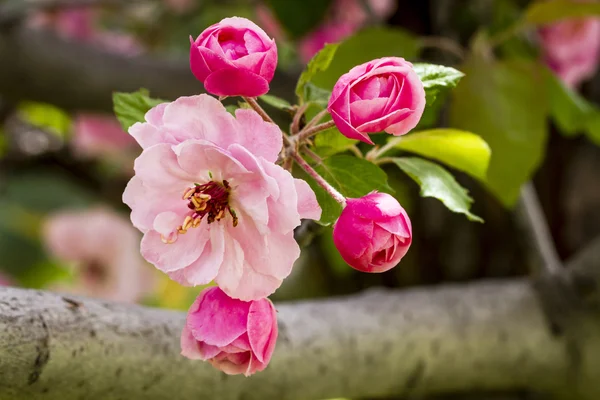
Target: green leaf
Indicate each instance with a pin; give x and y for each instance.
(46, 117)
(331, 141)
(437, 78)
(299, 17)
(276, 102)
(545, 12)
(367, 45)
(132, 107)
(320, 62)
(351, 176)
(316, 95)
(504, 102)
(231, 108)
(572, 113)
(567, 108)
(462, 150)
(438, 183)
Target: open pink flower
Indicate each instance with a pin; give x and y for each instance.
(210, 200)
(235, 336)
(234, 57)
(572, 48)
(104, 249)
(381, 95)
(373, 233)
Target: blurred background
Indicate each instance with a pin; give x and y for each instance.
(532, 94)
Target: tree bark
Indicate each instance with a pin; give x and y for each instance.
(482, 336)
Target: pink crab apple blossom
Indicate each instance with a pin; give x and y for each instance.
(211, 201)
(373, 232)
(95, 135)
(5, 280)
(344, 18)
(236, 337)
(572, 48)
(104, 249)
(385, 94)
(234, 57)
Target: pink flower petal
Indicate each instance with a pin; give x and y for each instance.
(308, 206)
(217, 319)
(262, 325)
(261, 138)
(236, 82)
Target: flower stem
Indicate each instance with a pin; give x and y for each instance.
(443, 43)
(312, 131)
(316, 119)
(374, 154)
(337, 196)
(256, 107)
(295, 127)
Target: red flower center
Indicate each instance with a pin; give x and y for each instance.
(210, 200)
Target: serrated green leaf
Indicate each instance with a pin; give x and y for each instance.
(367, 45)
(46, 117)
(276, 102)
(132, 107)
(462, 150)
(331, 141)
(316, 95)
(320, 62)
(504, 102)
(545, 12)
(437, 78)
(351, 176)
(438, 183)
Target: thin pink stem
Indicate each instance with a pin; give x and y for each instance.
(337, 196)
(310, 132)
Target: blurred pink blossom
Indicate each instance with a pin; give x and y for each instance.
(5, 280)
(104, 248)
(344, 18)
(572, 48)
(96, 135)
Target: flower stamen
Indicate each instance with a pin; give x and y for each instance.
(211, 200)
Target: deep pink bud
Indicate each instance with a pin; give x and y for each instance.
(234, 57)
(237, 337)
(373, 233)
(382, 95)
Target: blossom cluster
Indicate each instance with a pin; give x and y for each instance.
(217, 202)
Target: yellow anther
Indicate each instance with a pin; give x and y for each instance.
(187, 223)
(219, 214)
(204, 196)
(196, 222)
(189, 193)
(167, 240)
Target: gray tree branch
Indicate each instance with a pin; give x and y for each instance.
(488, 335)
(42, 67)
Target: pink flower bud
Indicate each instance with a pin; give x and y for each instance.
(234, 57)
(373, 233)
(572, 48)
(382, 95)
(235, 336)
